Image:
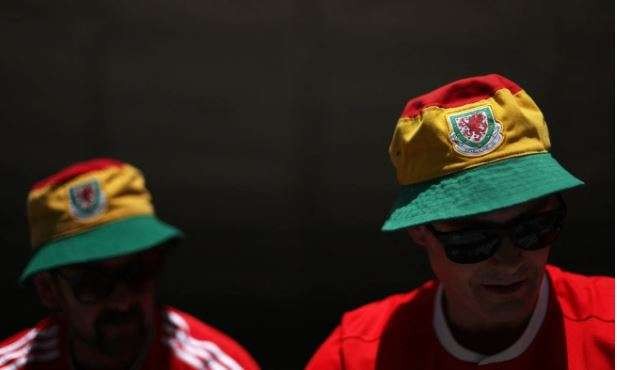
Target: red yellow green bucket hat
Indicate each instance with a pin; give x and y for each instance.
(90, 211)
(472, 146)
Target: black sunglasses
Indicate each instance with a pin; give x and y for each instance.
(528, 232)
(93, 284)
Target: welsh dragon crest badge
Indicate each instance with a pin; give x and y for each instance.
(86, 200)
(474, 132)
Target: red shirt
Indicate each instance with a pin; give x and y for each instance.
(577, 332)
(181, 342)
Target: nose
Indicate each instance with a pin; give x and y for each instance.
(508, 255)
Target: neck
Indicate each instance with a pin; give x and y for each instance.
(486, 339)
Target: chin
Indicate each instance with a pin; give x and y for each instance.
(512, 312)
(123, 348)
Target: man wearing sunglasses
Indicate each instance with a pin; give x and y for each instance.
(481, 196)
(97, 251)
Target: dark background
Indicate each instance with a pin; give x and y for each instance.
(263, 127)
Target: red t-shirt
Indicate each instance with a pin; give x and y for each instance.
(181, 342)
(577, 332)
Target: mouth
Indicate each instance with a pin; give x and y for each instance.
(121, 329)
(504, 288)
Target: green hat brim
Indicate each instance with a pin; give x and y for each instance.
(479, 190)
(109, 240)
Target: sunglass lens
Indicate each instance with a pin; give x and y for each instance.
(473, 252)
(538, 233)
(139, 274)
(93, 286)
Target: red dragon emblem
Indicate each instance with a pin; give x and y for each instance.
(474, 126)
(86, 194)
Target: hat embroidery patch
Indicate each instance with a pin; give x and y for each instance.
(86, 200)
(475, 132)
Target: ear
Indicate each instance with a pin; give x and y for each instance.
(47, 290)
(420, 235)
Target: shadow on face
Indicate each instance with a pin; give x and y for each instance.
(499, 290)
(109, 305)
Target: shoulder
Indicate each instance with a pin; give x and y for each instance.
(38, 344)
(583, 297)
(358, 341)
(189, 336)
(369, 321)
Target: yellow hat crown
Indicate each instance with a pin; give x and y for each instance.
(83, 196)
(464, 124)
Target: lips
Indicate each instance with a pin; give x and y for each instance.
(504, 288)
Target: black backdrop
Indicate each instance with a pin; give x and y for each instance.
(262, 127)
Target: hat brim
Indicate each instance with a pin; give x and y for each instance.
(113, 239)
(479, 190)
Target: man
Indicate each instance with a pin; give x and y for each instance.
(481, 195)
(97, 250)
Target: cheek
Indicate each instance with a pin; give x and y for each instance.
(80, 316)
(535, 262)
(148, 306)
(148, 292)
(537, 258)
(146, 300)
(455, 277)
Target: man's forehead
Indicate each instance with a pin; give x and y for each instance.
(116, 262)
(106, 264)
(506, 214)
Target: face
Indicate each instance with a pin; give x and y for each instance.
(498, 291)
(109, 305)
